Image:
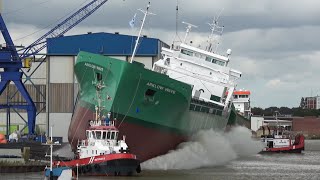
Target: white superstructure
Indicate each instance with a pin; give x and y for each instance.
(241, 102)
(207, 71)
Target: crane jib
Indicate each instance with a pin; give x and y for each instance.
(11, 62)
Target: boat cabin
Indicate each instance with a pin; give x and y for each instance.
(102, 133)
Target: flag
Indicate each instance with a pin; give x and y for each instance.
(131, 23)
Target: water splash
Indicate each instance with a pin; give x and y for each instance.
(207, 148)
(65, 151)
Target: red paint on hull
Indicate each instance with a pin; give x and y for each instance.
(94, 160)
(144, 142)
(295, 148)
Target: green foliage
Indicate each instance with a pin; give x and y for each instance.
(296, 111)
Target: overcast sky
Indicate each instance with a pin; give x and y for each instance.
(275, 43)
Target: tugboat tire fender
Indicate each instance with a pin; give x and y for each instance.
(82, 170)
(97, 167)
(138, 169)
(88, 168)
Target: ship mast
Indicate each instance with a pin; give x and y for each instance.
(98, 108)
(215, 29)
(188, 30)
(278, 127)
(176, 37)
(138, 38)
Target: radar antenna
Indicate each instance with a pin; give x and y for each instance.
(215, 30)
(189, 26)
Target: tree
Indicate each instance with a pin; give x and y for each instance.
(302, 103)
(257, 111)
(270, 111)
(285, 110)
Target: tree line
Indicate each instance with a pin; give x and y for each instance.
(295, 111)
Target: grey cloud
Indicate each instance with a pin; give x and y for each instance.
(237, 15)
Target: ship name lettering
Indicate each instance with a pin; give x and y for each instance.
(99, 159)
(94, 66)
(170, 91)
(156, 86)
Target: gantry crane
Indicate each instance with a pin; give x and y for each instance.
(12, 62)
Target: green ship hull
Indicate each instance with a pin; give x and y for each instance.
(154, 111)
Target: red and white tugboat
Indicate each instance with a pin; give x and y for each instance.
(102, 153)
(282, 140)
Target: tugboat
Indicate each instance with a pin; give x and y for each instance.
(282, 140)
(101, 153)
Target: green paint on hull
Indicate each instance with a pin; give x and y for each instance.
(144, 97)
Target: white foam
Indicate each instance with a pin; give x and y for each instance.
(64, 151)
(207, 148)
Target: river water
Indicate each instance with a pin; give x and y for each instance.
(256, 166)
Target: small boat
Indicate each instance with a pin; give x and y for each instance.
(101, 153)
(282, 139)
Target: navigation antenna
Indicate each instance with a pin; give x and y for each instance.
(177, 19)
(215, 30)
(188, 30)
(138, 38)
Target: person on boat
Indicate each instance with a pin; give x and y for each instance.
(107, 119)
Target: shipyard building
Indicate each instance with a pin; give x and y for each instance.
(309, 125)
(310, 102)
(53, 86)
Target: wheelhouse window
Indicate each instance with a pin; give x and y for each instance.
(116, 136)
(108, 135)
(90, 135)
(104, 135)
(112, 134)
(186, 52)
(98, 134)
(209, 59)
(221, 63)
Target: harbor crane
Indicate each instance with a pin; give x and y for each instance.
(12, 62)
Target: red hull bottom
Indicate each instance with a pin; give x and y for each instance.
(274, 150)
(105, 165)
(144, 142)
(298, 147)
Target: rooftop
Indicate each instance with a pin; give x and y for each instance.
(103, 43)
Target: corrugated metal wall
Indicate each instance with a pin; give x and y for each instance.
(17, 98)
(61, 97)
